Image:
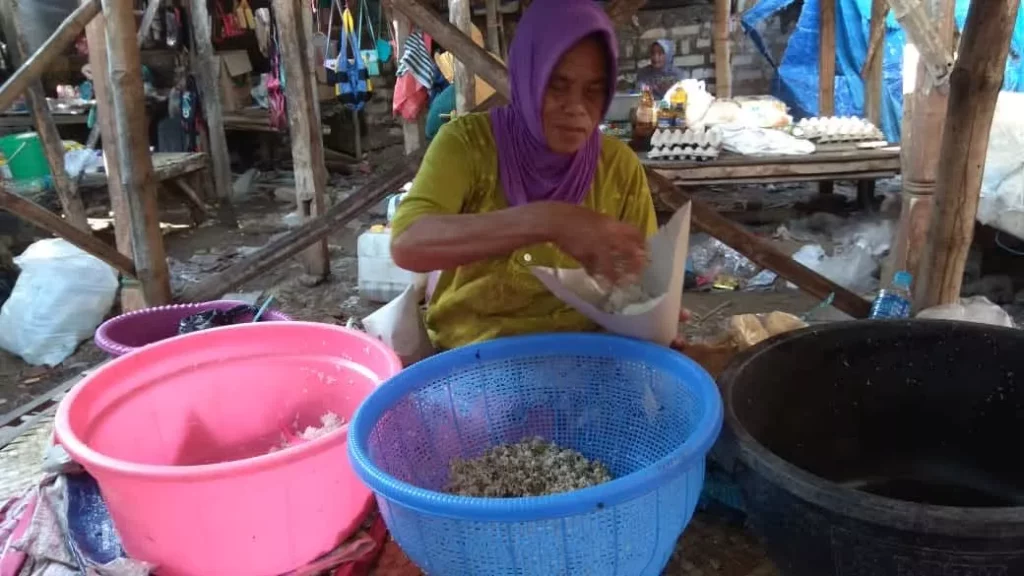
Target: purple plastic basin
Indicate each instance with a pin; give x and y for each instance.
(129, 332)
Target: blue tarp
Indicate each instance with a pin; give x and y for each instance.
(796, 76)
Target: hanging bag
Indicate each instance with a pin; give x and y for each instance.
(384, 47)
(354, 87)
(369, 56)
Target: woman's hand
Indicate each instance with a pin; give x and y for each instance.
(604, 246)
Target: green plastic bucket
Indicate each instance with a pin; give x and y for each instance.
(24, 155)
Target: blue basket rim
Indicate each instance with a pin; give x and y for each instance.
(583, 501)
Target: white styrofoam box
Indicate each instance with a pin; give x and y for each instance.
(380, 280)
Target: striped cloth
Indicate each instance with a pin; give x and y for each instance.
(417, 60)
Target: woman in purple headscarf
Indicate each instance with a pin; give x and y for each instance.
(531, 184)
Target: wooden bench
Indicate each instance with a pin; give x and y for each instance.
(189, 172)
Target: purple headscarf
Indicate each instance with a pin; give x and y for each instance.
(529, 170)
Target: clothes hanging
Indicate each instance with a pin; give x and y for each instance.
(416, 59)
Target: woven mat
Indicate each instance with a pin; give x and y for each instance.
(21, 460)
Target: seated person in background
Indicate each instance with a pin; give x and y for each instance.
(660, 75)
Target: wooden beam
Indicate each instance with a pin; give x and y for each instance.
(827, 58)
(207, 67)
(621, 12)
(53, 48)
(137, 179)
(43, 218)
(132, 297)
(974, 89)
(924, 114)
(144, 27)
(49, 136)
(871, 73)
(486, 66)
(303, 123)
(706, 219)
(460, 14)
(723, 56)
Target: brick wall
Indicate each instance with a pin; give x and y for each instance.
(691, 29)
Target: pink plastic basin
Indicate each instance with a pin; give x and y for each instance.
(177, 435)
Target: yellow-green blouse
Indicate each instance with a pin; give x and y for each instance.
(499, 296)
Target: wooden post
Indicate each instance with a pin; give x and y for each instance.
(53, 48)
(827, 58)
(147, 23)
(924, 113)
(871, 73)
(207, 77)
(493, 28)
(460, 13)
(137, 178)
(49, 136)
(974, 88)
(132, 297)
(413, 133)
(723, 56)
(304, 126)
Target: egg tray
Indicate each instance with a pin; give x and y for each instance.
(835, 129)
(683, 153)
(675, 144)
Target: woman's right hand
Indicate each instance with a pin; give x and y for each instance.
(607, 248)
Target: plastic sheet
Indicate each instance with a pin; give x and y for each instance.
(796, 81)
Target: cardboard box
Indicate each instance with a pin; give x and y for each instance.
(235, 80)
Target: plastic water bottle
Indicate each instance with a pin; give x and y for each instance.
(894, 302)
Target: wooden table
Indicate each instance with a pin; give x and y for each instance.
(864, 164)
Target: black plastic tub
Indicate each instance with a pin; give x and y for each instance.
(880, 448)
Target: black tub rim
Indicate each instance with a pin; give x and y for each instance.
(959, 522)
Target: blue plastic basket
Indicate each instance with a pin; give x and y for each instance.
(647, 412)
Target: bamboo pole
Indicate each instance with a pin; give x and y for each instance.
(827, 58)
(924, 113)
(136, 166)
(871, 72)
(53, 48)
(49, 136)
(303, 125)
(723, 51)
(43, 218)
(974, 89)
(460, 14)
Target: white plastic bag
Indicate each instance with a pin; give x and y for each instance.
(655, 319)
(399, 324)
(60, 298)
(977, 309)
(1002, 186)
